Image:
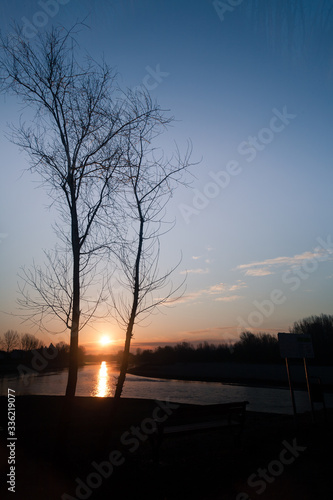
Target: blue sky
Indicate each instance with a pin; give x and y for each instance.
(255, 227)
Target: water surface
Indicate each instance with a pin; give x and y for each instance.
(99, 380)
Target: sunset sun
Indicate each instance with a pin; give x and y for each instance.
(105, 340)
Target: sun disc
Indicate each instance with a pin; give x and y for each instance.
(105, 340)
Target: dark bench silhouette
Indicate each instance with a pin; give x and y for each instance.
(203, 418)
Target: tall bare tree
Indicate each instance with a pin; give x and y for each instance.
(77, 143)
(150, 184)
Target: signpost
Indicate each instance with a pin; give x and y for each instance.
(296, 346)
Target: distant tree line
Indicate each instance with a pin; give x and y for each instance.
(16, 349)
(256, 348)
(62, 358)
(11, 340)
(250, 348)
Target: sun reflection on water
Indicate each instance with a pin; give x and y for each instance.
(103, 387)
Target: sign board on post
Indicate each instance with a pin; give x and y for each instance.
(294, 345)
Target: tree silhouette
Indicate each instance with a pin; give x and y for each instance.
(10, 340)
(78, 144)
(29, 342)
(151, 181)
(321, 330)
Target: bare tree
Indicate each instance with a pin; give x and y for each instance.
(150, 185)
(10, 340)
(29, 342)
(77, 144)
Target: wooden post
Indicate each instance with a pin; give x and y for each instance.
(309, 392)
(291, 391)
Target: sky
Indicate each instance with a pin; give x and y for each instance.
(254, 97)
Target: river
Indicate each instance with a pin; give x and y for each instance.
(98, 380)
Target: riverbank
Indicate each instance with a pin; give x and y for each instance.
(204, 466)
(260, 375)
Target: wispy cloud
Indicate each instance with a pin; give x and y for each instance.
(263, 271)
(238, 285)
(218, 292)
(230, 298)
(217, 334)
(195, 271)
(188, 297)
(270, 266)
(225, 287)
(220, 287)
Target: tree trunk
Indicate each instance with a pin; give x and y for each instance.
(129, 331)
(61, 447)
(74, 340)
(124, 362)
(73, 362)
(109, 435)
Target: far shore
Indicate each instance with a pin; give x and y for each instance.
(258, 375)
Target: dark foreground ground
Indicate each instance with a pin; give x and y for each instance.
(274, 460)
